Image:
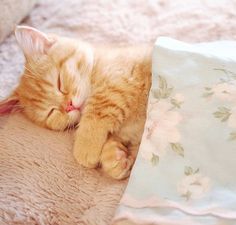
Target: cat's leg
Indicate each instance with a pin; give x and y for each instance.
(89, 140)
(116, 160)
(133, 150)
(101, 117)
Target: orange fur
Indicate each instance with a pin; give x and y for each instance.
(109, 85)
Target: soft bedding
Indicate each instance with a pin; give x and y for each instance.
(185, 170)
(40, 182)
(11, 13)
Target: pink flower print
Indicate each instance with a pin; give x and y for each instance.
(161, 127)
(193, 186)
(179, 97)
(225, 91)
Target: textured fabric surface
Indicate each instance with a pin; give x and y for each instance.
(191, 125)
(12, 12)
(40, 183)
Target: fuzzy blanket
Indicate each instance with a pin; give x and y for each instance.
(40, 183)
(12, 12)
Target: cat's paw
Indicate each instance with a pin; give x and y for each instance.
(86, 152)
(115, 160)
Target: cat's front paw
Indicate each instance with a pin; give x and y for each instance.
(86, 153)
(115, 160)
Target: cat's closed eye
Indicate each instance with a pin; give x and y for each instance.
(50, 112)
(60, 85)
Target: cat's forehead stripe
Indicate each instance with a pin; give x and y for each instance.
(64, 59)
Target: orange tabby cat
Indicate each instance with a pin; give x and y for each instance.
(67, 81)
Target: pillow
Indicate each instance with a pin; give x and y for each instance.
(185, 170)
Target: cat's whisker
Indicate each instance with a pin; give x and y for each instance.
(69, 126)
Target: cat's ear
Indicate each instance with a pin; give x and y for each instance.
(11, 104)
(33, 41)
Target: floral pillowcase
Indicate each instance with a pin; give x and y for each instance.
(185, 170)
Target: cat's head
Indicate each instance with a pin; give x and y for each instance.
(56, 79)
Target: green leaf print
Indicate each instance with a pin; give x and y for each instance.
(208, 88)
(175, 103)
(208, 92)
(223, 113)
(163, 91)
(227, 72)
(232, 136)
(189, 171)
(177, 147)
(187, 196)
(162, 82)
(154, 159)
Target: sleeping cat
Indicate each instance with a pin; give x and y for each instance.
(102, 90)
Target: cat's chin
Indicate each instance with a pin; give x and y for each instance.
(74, 118)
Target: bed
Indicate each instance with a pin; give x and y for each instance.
(40, 182)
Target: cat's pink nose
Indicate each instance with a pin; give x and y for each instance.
(70, 107)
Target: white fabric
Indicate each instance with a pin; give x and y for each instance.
(185, 170)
